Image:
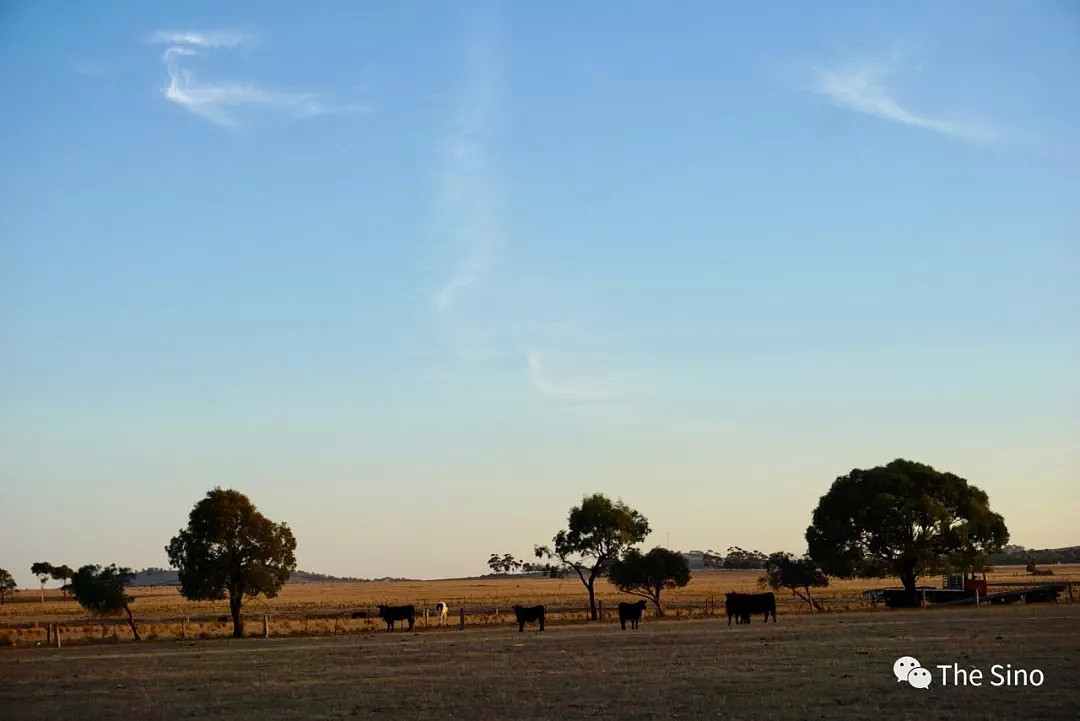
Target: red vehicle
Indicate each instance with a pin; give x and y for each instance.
(972, 584)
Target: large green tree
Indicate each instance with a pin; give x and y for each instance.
(646, 575)
(904, 515)
(101, 591)
(230, 550)
(7, 585)
(598, 532)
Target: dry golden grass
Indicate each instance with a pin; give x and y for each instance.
(832, 666)
(323, 608)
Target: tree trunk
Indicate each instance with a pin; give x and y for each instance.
(237, 619)
(592, 600)
(810, 599)
(908, 578)
(131, 622)
(654, 596)
(43, 592)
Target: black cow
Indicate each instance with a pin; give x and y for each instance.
(631, 612)
(392, 614)
(529, 614)
(742, 605)
(359, 614)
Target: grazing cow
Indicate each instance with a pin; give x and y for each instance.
(529, 614)
(631, 612)
(392, 614)
(742, 605)
(441, 609)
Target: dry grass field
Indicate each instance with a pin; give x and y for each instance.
(834, 666)
(324, 608)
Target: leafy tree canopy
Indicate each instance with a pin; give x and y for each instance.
(231, 550)
(598, 532)
(906, 516)
(649, 574)
(101, 591)
(783, 570)
(7, 584)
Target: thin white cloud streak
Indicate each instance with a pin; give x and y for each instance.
(541, 379)
(470, 218)
(859, 87)
(214, 39)
(211, 101)
(219, 102)
(468, 190)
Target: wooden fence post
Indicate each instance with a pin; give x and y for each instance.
(976, 598)
(600, 610)
(48, 635)
(922, 599)
(425, 618)
(461, 617)
(335, 624)
(1070, 593)
(103, 633)
(57, 633)
(266, 626)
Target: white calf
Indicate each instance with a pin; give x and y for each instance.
(440, 612)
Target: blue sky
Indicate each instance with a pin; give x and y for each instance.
(416, 277)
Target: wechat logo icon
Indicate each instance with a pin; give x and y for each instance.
(907, 668)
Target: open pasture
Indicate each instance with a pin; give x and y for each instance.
(325, 608)
(827, 666)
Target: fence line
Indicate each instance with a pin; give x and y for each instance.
(708, 607)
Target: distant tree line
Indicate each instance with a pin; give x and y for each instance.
(1019, 556)
(506, 563)
(735, 558)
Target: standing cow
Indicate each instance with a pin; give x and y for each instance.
(392, 614)
(742, 605)
(529, 614)
(630, 612)
(441, 609)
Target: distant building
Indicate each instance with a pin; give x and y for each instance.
(695, 559)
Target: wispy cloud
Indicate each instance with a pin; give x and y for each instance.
(468, 190)
(212, 39)
(471, 220)
(860, 87)
(576, 389)
(219, 102)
